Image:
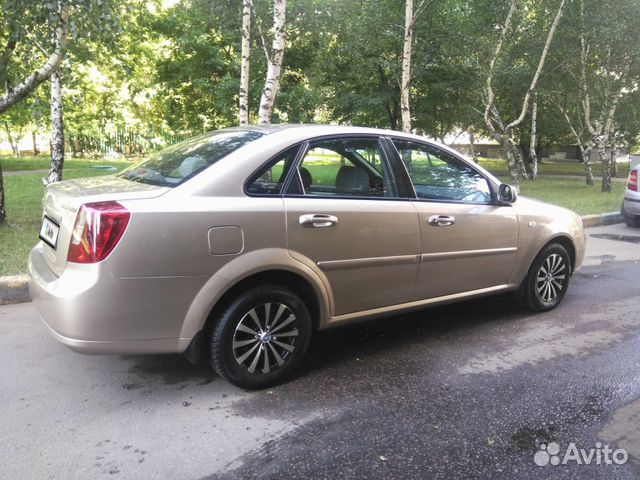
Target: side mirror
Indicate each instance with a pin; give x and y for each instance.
(507, 194)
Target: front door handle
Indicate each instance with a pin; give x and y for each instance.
(441, 220)
(318, 220)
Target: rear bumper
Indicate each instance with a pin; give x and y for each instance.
(91, 311)
(122, 347)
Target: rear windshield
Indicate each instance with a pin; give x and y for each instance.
(178, 163)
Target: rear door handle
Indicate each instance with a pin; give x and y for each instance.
(441, 220)
(318, 220)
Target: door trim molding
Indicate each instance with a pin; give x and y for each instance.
(425, 257)
(368, 262)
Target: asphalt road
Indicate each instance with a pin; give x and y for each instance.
(465, 391)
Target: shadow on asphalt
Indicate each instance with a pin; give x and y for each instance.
(331, 347)
(341, 344)
(168, 369)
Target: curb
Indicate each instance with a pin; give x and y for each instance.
(15, 289)
(598, 220)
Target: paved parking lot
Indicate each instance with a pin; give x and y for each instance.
(465, 391)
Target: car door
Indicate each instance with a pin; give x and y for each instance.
(344, 213)
(468, 240)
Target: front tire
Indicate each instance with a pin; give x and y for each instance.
(261, 337)
(548, 278)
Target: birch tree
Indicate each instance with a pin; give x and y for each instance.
(13, 95)
(274, 62)
(615, 77)
(534, 131)
(14, 18)
(405, 84)
(578, 134)
(245, 63)
(600, 73)
(34, 38)
(501, 131)
(57, 131)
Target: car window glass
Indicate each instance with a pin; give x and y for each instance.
(438, 175)
(175, 165)
(346, 167)
(269, 180)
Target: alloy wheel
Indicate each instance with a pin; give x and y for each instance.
(551, 278)
(265, 338)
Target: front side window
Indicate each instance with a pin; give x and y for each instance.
(438, 175)
(346, 167)
(178, 163)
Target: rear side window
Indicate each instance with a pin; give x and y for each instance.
(351, 167)
(178, 163)
(269, 179)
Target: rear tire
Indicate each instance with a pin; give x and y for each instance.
(632, 221)
(548, 278)
(260, 337)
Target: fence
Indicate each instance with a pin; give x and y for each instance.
(121, 142)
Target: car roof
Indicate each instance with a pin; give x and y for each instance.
(314, 129)
(318, 130)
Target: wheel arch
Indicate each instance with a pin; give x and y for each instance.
(286, 278)
(274, 266)
(562, 239)
(567, 243)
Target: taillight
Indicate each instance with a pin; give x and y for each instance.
(98, 229)
(633, 181)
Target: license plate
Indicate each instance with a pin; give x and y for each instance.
(49, 232)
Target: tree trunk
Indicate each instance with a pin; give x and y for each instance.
(57, 141)
(585, 151)
(393, 111)
(536, 76)
(34, 142)
(588, 171)
(244, 67)
(472, 146)
(514, 159)
(274, 60)
(614, 164)
(509, 150)
(42, 74)
(3, 211)
(406, 67)
(600, 144)
(519, 160)
(533, 156)
(14, 144)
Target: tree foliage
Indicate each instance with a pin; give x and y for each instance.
(175, 66)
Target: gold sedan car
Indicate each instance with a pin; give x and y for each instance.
(236, 245)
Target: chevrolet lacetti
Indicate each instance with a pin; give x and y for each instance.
(236, 245)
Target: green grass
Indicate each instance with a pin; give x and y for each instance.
(12, 164)
(19, 234)
(573, 194)
(322, 172)
(24, 210)
(499, 167)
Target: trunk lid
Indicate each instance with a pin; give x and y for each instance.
(62, 201)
